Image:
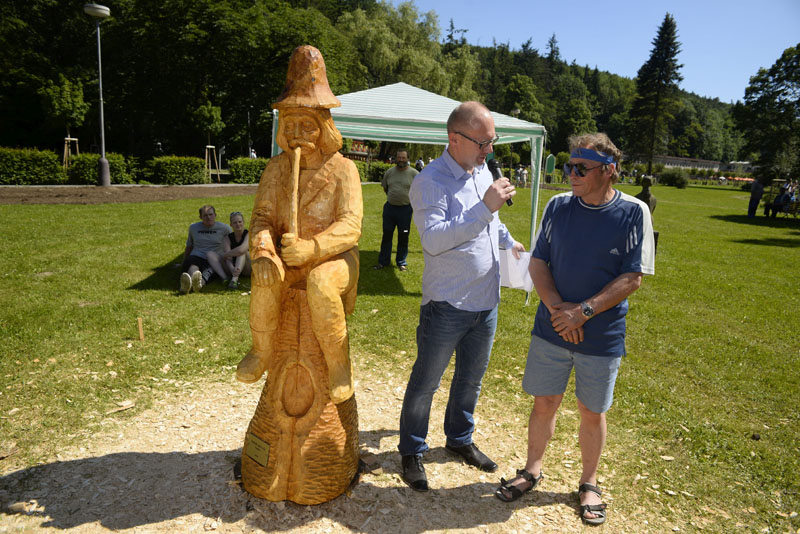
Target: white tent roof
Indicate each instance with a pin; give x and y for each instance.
(403, 113)
(406, 114)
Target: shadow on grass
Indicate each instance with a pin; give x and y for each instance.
(385, 281)
(163, 276)
(760, 220)
(718, 188)
(771, 242)
(166, 277)
(134, 489)
(371, 282)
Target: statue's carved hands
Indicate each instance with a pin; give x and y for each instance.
(265, 273)
(296, 252)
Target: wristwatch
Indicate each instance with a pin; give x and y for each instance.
(587, 310)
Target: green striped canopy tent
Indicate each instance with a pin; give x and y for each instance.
(406, 114)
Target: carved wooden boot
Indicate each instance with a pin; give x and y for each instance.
(256, 361)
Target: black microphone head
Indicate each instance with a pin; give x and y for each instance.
(494, 168)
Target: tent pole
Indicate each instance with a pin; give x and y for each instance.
(536, 167)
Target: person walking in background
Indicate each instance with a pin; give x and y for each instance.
(397, 212)
(201, 257)
(593, 247)
(456, 206)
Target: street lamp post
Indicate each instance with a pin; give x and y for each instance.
(99, 13)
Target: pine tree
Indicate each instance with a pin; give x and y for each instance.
(770, 116)
(657, 93)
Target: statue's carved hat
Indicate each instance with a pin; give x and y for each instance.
(306, 82)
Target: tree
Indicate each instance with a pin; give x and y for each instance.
(555, 65)
(402, 45)
(208, 119)
(454, 38)
(63, 102)
(656, 88)
(333, 9)
(687, 133)
(574, 113)
(770, 115)
(520, 93)
(498, 67)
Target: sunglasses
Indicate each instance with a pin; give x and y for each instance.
(579, 168)
(481, 144)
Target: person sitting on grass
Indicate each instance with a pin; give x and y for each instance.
(781, 202)
(236, 255)
(201, 258)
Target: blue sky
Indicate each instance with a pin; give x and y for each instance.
(724, 43)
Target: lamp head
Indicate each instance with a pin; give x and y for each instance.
(97, 11)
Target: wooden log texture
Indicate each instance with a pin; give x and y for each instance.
(313, 443)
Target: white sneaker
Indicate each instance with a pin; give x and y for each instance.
(197, 281)
(186, 283)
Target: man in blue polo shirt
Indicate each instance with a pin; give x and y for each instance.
(593, 247)
(455, 206)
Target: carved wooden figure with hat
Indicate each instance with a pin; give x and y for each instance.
(302, 444)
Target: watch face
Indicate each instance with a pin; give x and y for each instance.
(588, 311)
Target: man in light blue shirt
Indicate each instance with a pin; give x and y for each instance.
(455, 204)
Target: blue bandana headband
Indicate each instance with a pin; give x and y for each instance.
(588, 153)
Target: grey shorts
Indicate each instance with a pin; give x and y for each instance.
(549, 366)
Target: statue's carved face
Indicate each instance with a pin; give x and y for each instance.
(302, 129)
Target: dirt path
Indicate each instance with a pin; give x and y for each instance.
(169, 469)
(89, 194)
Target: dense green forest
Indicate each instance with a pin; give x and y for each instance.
(181, 72)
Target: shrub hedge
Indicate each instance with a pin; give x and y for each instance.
(83, 169)
(177, 170)
(373, 173)
(362, 169)
(247, 170)
(25, 166)
(377, 170)
(674, 177)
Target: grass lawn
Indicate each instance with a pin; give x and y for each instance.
(705, 421)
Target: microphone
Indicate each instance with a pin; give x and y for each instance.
(496, 174)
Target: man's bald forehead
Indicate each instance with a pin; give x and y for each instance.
(467, 116)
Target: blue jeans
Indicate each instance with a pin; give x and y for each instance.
(443, 329)
(395, 217)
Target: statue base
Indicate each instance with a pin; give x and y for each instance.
(299, 445)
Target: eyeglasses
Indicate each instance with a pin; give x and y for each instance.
(239, 213)
(579, 168)
(480, 144)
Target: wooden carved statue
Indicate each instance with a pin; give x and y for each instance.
(302, 443)
(646, 196)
